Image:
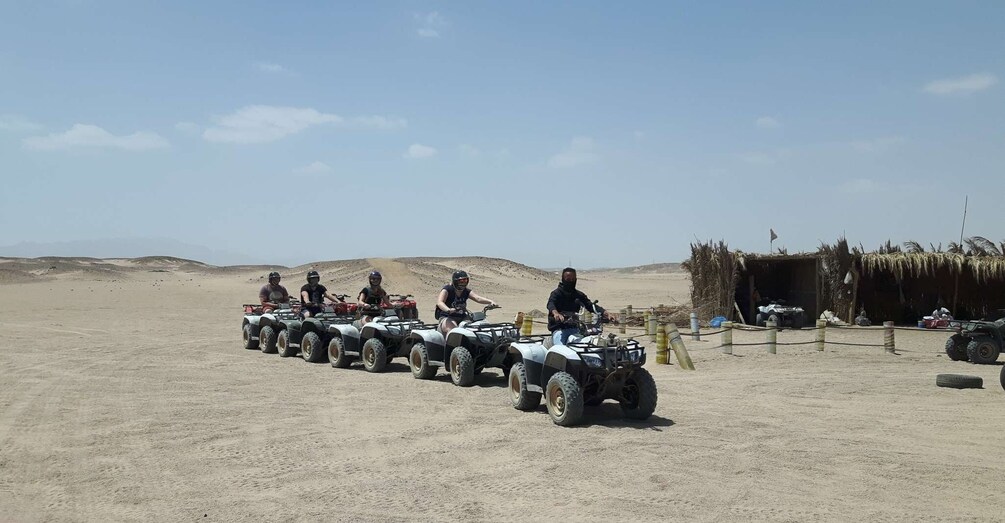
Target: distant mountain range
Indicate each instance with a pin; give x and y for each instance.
(129, 248)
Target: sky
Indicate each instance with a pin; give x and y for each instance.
(592, 133)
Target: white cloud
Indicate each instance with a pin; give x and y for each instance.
(581, 151)
(962, 85)
(767, 122)
(187, 127)
(10, 122)
(417, 151)
(378, 122)
(266, 123)
(469, 150)
(314, 168)
(430, 24)
(878, 144)
(82, 135)
(269, 67)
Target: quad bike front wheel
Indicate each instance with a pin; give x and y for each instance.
(267, 339)
(374, 355)
(283, 344)
(639, 395)
(418, 361)
(310, 348)
(249, 341)
(564, 399)
(337, 355)
(521, 398)
(462, 367)
(983, 350)
(956, 348)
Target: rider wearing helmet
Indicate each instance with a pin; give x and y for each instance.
(272, 294)
(313, 295)
(373, 296)
(452, 302)
(565, 301)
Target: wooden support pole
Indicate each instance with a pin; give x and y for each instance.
(888, 342)
(528, 325)
(772, 336)
(695, 327)
(623, 322)
(662, 358)
(727, 337)
(679, 350)
(821, 334)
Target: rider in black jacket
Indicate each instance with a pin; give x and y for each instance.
(566, 301)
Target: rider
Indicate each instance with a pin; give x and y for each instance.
(564, 303)
(452, 302)
(272, 294)
(372, 296)
(313, 295)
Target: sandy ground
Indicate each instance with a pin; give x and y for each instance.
(128, 397)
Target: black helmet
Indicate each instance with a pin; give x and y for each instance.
(375, 276)
(313, 274)
(460, 279)
(273, 276)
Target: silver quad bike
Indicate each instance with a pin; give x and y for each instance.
(588, 369)
(375, 343)
(475, 344)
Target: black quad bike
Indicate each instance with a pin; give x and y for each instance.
(977, 340)
(475, 344)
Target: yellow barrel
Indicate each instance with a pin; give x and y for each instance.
(528, 325)
(662, 358)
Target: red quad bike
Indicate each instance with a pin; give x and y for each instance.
(405, 305)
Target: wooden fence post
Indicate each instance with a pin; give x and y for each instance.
(528, 325)
(624, 320)
(695, 327)
(888, 342)
(821, 334)
(772, 336)
(727, 337)
(679, 350)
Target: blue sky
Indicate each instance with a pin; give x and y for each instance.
(599, 133)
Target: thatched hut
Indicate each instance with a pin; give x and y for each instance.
(889, 284)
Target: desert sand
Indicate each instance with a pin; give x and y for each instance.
(125, 394)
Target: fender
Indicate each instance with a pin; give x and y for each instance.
(313, 325)
(296, 332)
(349, 335)
(372, 329)
(253, 320)
(456, 337)
(266, 320)
(532, 355)
(433, 341)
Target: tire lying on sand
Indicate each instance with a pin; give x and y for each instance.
(959, 381)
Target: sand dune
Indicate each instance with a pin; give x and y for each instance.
(125, 395)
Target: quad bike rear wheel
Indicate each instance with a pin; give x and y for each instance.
(956, 348)
(283, 344)
(462, 367)
(337, 355)
(267, 339)
(983, 350)
(639, 395)
(564, 399)
(521, 398)
(249, 341)
(418, 361)
(374, 355)
(310, 348)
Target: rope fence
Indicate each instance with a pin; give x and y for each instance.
(668, 338)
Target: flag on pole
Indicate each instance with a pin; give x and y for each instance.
(773, 235)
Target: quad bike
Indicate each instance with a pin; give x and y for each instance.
(405, 305)
(585, 371)
(260, 329)
(783, 315)
(375, 342)
(976, 340)
(311, 335)
(467, 349)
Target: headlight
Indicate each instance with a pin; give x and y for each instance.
(484, 337)
(635, 355)
(592, 360)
